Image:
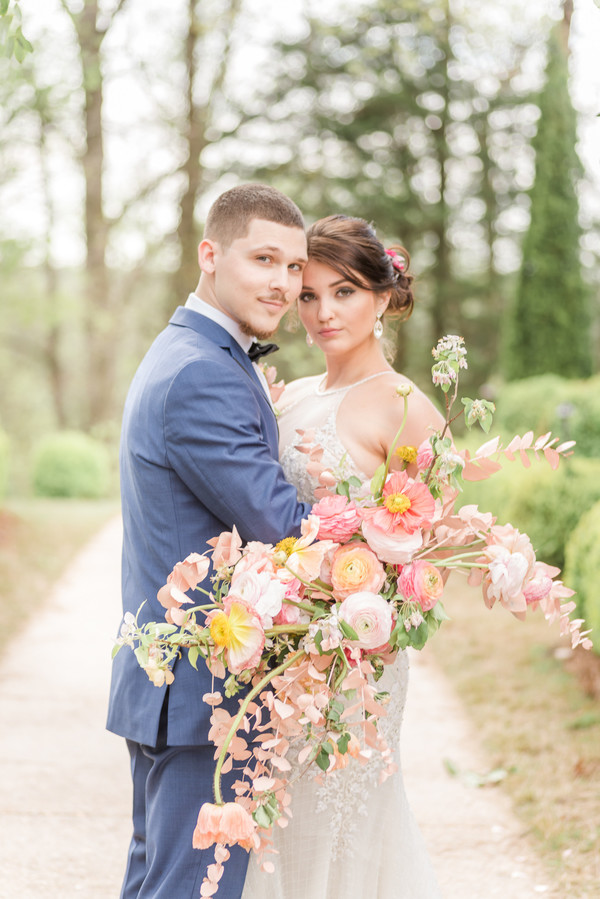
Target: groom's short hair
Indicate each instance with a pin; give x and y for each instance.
(230, 215)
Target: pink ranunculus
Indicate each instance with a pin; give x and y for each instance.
(227, 547)
(421, 582)
(355, 569)
(339, 518)
(397, 548)
(407, 506)
(370, 616)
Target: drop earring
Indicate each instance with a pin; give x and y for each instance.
(309, 340)
(378, 327)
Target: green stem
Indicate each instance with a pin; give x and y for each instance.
(286, 629)
(390, 454)
(321, 589)
(238, 718)
(299, 605)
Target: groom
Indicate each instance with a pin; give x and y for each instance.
(198, 455)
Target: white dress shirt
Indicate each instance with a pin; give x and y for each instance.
(194, 303)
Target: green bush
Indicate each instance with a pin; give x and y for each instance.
(582, 571)
(70, 464)
(3, 463)
(545, 504)
(570, 409)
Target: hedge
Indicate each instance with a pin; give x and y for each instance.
(70, 464)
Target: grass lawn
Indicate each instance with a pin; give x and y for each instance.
(536, 720)
(38, 538)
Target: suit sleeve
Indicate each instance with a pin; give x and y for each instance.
(215, 445)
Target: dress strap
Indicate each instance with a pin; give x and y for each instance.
(320, 391)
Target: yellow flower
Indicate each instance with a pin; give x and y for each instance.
(407, 453)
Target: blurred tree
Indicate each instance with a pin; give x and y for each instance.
(12, 40)
(548, 329)
(402, 114)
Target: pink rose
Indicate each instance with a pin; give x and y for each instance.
(227, 547)
(422, 583)
(424, 456)
(356, 568)
(398, 548)
(339, 518)
(370, 616)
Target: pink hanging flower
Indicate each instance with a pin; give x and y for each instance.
(339, 518)
(421, 582)
(424, 456)
(227, 824)
(511, 563)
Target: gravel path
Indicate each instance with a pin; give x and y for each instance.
(64, 781)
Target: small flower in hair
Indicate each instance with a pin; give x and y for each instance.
(397, 261)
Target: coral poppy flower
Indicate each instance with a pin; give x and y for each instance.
(407, 505)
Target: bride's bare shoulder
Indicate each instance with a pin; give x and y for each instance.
(423, 415)
(296, 390)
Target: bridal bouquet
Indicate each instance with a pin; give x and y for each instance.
(306, 628)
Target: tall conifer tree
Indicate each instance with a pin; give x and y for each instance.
(547, 328)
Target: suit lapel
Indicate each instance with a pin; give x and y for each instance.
(188, 318)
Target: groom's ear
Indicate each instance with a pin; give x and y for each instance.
(206, 256)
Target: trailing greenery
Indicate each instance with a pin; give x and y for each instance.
(71, 464)
(570, 409)
(582, 571)
(545, 504)
(548, 328)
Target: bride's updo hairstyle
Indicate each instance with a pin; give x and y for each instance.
(351, 247)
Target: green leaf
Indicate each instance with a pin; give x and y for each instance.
(343, 743)
(377, 480)
(347, 631)
(193, 656)
(319, 640)
(439, 612)
(261, 816)
(418, 635)
(4, 7)
(115, 649)
(322, 760)
(342, 489)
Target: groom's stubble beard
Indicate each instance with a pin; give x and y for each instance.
(249, 331)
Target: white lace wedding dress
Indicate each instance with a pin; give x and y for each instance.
(350, 836)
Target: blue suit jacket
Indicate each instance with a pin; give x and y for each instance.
(199, 454)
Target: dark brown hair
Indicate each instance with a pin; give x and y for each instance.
(352, 248)
(230, 215)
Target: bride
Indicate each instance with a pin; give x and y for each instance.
(351, 836)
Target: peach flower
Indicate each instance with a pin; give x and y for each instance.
(227, 824)
(370, 616)
(308, 553)
(185, 576)
(339, 518)
(227, 547)
(356, 568)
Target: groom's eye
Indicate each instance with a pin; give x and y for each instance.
(264, 258)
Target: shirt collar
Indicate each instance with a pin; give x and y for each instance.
(229, 324)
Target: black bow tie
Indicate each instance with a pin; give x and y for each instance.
(261, 349)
